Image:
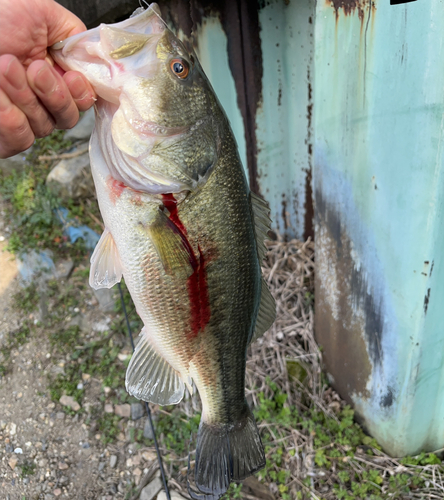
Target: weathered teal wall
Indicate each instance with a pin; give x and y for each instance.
(283, 117)
(379, 197)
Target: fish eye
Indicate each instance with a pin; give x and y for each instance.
(180, 68)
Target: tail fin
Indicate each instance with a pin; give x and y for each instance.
(227, 452)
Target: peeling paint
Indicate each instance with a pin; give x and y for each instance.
(348, 320)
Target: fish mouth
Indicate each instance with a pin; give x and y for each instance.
(109, 52)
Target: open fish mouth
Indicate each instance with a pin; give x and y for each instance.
(109, 52)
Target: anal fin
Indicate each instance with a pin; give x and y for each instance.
(151, 378)
(106, 267)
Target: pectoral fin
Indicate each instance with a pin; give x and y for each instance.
(150, 377)
(170, 245)
(106, 267)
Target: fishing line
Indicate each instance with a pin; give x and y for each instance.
(159, 458)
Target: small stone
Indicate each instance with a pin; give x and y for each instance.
(149, 456)
(64, 268)
(137, 471)
(19, 451)
(151, 490)
(129, 462)
(63, 466)
(174, 495)
(137, 411)
(109, 408)
(71, 178)
(80, 386)
(13, 461)
(84, 127)
(70, 402)
(60, 415)
(101, 466)
(147, 431)
(123, 356)
(12, 429)
(57, 492)
(85, 377)
(123, 410)
(112, 461)
(43, 462)
(107, 390)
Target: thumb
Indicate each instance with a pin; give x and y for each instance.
(61, 23)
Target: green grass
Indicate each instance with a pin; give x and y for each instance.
(31, 205)
(28, 468)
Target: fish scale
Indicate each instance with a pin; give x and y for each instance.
(182, 228)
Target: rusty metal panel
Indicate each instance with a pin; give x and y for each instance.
(283, 118)
(378, 183)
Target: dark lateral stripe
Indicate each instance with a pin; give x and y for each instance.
(197, 283)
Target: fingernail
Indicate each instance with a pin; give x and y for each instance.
(45, 81)
(16, 75)
(78, 88)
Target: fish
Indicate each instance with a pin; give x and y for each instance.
(182, 228)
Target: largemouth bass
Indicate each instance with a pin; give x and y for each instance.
(182, 227)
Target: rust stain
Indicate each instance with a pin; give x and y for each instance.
(308, 205)
(426, 301)
(349, 7)
(348, 318)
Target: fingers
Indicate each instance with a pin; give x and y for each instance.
(15, 133)
(53, 93)
(80, 89)
(35, 101)
(14, 83)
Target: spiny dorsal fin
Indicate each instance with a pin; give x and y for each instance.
(266, 314)
(150, 377)
(168, 242)
(106, 268)
(262, 223)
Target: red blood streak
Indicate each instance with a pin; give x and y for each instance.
(197, 282)
(115, 189)
(170, 204)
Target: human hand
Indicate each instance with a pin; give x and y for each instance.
(35, 95)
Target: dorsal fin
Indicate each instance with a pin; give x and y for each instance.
(266, 314)
(262, 223)
(267, 307)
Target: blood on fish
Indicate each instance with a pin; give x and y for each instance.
(170, 204)
(115, 189)
(197, 283)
